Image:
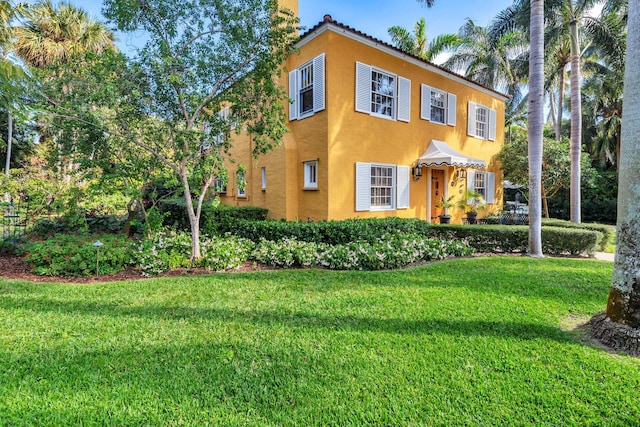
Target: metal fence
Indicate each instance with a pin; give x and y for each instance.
(14, 220)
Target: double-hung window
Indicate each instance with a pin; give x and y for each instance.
(381, 187)
(382, 94)
(482, 122)
(482, 183)
(241, 184)
(306, 89)
(437, 106)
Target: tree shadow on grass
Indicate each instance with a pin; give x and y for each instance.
(296, 319)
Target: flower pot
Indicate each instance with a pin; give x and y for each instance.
(445, 219)
(472, 217)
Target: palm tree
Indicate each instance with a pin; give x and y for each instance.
(490, 58)
(618, 326)
(53, 35)
(57, 33)
(10, 74)
(535, 127)
(418, 44)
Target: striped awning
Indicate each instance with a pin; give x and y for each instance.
(439, 153)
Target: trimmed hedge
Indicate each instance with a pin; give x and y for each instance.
(505, 239)
(606, 230)
(329, 232)
(482, 238)
(213, 220)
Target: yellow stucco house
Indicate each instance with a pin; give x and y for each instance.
(374, 132)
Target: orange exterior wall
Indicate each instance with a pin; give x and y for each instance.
(338, 137)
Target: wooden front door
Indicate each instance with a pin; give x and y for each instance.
(437, 191)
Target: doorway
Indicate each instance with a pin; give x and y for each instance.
(437, 191)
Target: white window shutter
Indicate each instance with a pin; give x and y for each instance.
(404, 99)
(492, 125)
(363, 186)
(471, 121)
(293, 94)
(402, 187)
(318, 83)
(425, 102)
(363, 88)
(451, 109)
(491, 187)
(471, 184)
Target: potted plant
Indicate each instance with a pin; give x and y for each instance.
(471, 203)
(445, 204)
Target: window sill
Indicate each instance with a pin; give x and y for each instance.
(309, 188)
(382, 116)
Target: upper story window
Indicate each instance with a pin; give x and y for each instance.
(482, 122)
(306, 89)
(438, 106)
(382, 94)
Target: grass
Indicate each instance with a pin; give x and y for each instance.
(477, 341)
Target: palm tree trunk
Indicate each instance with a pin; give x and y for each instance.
(619, 325)
(560, 104)
(576, 125)
(9, 140)
(536, 123)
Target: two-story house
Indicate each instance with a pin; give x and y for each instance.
(374, 131)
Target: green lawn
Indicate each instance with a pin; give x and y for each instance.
(482, 341)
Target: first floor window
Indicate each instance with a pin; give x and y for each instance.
(220, 185)
(382, 186)
(480, 184)
(311, 174)
(241, 183)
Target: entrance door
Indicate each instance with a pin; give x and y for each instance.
(437, 191)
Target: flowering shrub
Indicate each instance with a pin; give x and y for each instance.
(171, 249)
(288, 252)
(391, 251)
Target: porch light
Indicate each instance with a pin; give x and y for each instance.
(416, 172)
(461, 174)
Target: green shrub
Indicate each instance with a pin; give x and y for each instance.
(81, 223)
(329, 232)
(606, 230)
(172, 249)
(213, 219)
(496, 238)
(69, 255)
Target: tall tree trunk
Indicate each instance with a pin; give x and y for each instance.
(536, 123)
(576, 125)
(560, 103)
(619, 326)
(9, 140)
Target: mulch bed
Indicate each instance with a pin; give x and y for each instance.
(14, 267)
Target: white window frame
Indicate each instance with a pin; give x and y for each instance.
(378, 97)
(448, 108)
(305, 84)
(310, 175)
(264, 177)
(364, 188)
(443, 107)
(308, 77)
(380, 183)
(240, 177)
(481, 122)
(219, 188)
(487, 189)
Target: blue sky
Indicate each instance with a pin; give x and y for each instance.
(372, 17)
